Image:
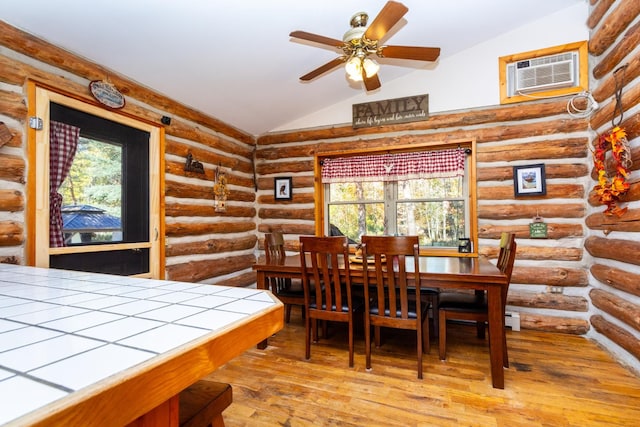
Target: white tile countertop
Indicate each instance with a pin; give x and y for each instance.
(62, 331)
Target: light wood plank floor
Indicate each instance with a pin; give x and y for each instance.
(553, 380)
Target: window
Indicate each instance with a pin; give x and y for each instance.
(92, 194)
(439, 209)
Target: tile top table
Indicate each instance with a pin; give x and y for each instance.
(99, 349)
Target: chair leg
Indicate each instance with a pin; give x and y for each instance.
(505, 353)
(435, 301)
(376, 333)
(287, 313)
(351, 343)
(307, 325)
(420, 344)
(481, 328)
(442, 335)
(426, 344)
(367, 342)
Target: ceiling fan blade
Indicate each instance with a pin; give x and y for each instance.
(389, 16)
(323, 69)
(371, 83)
(316, 38)
(410, 52)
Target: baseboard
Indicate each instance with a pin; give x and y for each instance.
(512, 319)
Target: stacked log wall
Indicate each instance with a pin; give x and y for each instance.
(613, 242)
(507, 136)
(201, 245)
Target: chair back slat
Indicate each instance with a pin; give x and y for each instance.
(274, 246)
(396, 300)
(325, 286)
(389, 268)
(508, 256)
(326, 279)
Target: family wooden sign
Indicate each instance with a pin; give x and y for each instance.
(391, 111)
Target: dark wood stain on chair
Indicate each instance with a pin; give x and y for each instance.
(391, 299)
(286, 290)
(473, 307)
(327, 288)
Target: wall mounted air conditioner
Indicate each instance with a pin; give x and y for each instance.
(543, 73)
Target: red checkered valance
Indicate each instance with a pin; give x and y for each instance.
(394, 167)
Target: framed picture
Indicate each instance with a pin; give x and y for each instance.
(529, 180)
(282, 188)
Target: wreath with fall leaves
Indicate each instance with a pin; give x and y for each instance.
(609, 190)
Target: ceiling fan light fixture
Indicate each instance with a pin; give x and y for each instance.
(355, 65)
(354, 68)
(370, 67)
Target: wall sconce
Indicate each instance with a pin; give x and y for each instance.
(191, 165)
(220, 191)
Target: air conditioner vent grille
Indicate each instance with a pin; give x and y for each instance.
(543, 73)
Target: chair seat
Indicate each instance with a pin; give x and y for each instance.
(412, 314)
(294, 291)
(356, 305)
(463, 302)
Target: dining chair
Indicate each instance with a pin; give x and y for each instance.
(392, 299)
(327, 288)
(287, 290)
(474, 307)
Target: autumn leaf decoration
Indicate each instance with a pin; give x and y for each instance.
(220, 191)
(220, 187)
(609, 190)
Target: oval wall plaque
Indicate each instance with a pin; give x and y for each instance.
(106, 94)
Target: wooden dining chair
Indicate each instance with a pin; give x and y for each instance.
(474, 307)
(289, 291)
(392, 300)
(327, 288)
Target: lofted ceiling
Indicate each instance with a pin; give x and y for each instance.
(234, 60)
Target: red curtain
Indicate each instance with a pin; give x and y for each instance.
(395, 167)
(63, 142)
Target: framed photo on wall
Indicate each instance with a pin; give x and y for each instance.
(282, 188)
(529, 180)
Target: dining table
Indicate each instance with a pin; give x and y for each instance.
(89, 349)
(441, 272)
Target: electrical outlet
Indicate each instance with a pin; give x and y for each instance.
(555, 289)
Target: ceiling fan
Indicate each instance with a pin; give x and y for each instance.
(360, 42)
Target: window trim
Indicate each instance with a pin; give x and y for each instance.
(437, 145)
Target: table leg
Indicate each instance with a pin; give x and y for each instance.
(496, 332)
(261, 283)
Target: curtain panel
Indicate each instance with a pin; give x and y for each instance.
(394, 167)
(63, 143)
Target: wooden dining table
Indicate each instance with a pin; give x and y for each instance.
(87, 349)
(446, 272)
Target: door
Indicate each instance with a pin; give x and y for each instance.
(111, 210)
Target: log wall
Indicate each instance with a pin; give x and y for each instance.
(528, 133)
(613, 242)
(202, 245)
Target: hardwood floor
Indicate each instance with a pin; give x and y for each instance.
(553, 380)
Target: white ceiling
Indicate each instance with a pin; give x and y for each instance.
(235, 61)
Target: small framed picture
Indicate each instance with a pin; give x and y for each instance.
(529, 180)
(282, 188)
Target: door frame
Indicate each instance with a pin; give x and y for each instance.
(37, 247)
